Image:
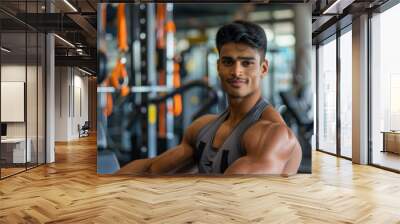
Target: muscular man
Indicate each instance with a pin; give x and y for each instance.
(250, 137)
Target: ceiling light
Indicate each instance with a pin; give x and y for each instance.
(84, 71)
(70, 5)
(329, 9)
(338, 6)
(5, 49)
(65, 41)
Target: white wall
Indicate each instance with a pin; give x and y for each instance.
(71, 94)
(61, 103)
(360, 90)
(33, 127)
(11, 73)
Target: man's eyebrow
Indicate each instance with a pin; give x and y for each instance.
(238, 58)
(246, 58)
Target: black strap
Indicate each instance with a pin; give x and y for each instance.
(224, 161)
(199, 151)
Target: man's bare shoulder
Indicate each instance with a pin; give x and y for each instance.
(270, 121)
(266, 128)
(203, 120)
(194, 128)
(271, 115)
(270, 118)
(268, 134)
(200, 122)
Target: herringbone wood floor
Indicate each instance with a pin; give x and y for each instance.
(70, 191)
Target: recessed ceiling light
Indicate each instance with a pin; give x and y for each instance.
(84, 71)
(65, 41)
(5, 49)
(70, 5)
(337, 7)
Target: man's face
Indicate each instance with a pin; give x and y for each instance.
(240, 69)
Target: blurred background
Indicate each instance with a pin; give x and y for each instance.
(157, 72)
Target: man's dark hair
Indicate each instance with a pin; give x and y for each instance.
(243, 32)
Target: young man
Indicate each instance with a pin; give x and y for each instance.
(250, 137)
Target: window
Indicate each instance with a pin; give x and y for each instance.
(346, 94)
(385, 89)
(327, 97)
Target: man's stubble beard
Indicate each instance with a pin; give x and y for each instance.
(232, 96)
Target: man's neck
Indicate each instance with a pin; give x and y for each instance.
(239, 107)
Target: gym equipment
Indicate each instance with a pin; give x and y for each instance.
(295, 116)
(84, 130)
(133, 115)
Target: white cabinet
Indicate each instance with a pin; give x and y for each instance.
(17, 146)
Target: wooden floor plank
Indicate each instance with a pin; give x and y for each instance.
(70, 191)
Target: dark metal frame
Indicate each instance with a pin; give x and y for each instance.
(0, 89)
(338, 98)
(26, 88)
(369, 77)
(317, 97)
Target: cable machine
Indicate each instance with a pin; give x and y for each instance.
(139, 89)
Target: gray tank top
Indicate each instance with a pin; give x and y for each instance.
(211, 160)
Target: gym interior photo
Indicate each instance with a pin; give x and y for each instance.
(199, 112)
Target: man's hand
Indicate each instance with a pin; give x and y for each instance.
(137, 167)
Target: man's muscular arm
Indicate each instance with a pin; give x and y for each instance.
(173, 159)
(271, 148)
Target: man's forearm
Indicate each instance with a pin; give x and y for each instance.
(247, 165)
(167, 162)
(140, 166)
(240, 166)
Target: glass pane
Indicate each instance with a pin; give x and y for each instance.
(13, 86)
(346, 94)
(41, 99)
(327, 96)
(386, 89)
(31, 97)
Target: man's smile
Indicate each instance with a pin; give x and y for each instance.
(236, 82)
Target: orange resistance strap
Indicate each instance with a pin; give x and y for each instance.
(119, 74)
(122, 31)
(160, 35)
(160, 20)
(162, 129)
(177, 103)
(177, 97)
(103, 16)
(107, 110)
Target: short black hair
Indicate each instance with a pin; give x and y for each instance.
(243, 32)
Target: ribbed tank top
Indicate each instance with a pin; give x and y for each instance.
(210, 160)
